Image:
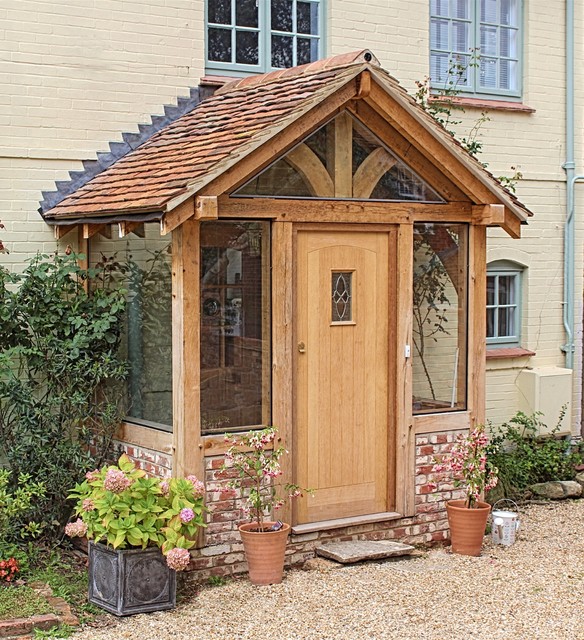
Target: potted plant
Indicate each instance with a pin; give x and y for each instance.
(140, 530)
(467, 464)
(255, 461)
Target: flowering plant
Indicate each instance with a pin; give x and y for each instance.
(8, 570)
(467, 463)
(122, 507)
(257, 463)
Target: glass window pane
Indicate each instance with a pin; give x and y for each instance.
(342, 296)
(246, 43)
(282, 52)
(246, 13)
(440, 317)
(489, 41)
(219, 44)
(508, 75)
(143, 267)
(439, 65)
(281, 16)
(219, 11)
(461, 9)
(235, 325)
(508, 43)
(506, 326)
(439, 34)
(488, 73)
(307, 18)
(491, 332)
(491, 282)
(440, 8)
(509, 12)
(306, 50)
(460, 41)
(489, 11)
(506, 289)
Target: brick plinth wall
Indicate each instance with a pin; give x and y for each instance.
(154, 463)
(223, 553)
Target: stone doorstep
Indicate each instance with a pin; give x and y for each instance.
(21, 628)
(361, 550)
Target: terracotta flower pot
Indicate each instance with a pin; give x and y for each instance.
(264, 552)
(467, 526)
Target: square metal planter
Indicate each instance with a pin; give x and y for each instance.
(128, 581)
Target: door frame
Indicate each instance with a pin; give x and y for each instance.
(394, 334)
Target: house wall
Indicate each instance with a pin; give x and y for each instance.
(76, 75)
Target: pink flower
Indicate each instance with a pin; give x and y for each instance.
(90, 476)
(198, 486)
(186, 515)
(116, 481)
(76, 529)
(165, 487)
(178, 559)
(88, 505)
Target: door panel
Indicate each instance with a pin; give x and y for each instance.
(342, 372)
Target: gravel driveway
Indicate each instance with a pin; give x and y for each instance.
(533, 589)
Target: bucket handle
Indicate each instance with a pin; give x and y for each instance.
(515, 509)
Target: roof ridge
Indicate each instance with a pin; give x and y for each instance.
(118, 149)
(318, 66)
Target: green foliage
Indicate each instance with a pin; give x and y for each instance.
(60, 376)
(22, 602)
(14, 506)
(217, 581)
(523, 458)
(122, 507)
(62, 631)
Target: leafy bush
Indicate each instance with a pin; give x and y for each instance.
(524, 458)
(14, 506)
(60, 376)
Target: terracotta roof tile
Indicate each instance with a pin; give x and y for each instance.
(193, 149)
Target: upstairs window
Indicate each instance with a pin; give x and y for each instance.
(261, 35)
(475, 46)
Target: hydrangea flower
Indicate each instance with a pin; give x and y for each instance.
(178, 559)
(186, 515)
(165, 487)
(116, 481)
(76, 529)
(88, 505)
(198, 486)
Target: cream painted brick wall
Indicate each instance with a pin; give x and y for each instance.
(75, 74)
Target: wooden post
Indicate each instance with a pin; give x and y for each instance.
(188, 448)
(405, 436)
(477, 330)
(282, 347)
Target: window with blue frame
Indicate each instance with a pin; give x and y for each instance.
(256, 36)
(503, 304)
(475, 47)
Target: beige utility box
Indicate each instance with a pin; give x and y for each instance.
(546, 389)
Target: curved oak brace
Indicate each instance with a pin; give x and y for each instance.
(308, 164)
(370, 171)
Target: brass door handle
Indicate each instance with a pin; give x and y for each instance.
(301, 347)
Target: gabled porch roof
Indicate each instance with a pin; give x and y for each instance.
(247, 123)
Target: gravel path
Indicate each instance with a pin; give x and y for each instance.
(531, 590)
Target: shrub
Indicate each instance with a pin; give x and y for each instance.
(524, 458)
(60, 376)
(15, 505)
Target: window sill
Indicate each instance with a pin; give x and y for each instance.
(483, 103)
(509, 352)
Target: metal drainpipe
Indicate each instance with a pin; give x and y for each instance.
(569, 167)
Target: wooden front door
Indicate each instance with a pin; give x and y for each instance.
(342, 310)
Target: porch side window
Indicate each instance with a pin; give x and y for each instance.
(440, 317)
(141, 264)
(235, 325)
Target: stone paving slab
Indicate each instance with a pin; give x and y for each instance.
(359, 550)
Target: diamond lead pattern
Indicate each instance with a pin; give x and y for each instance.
(342, 298)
